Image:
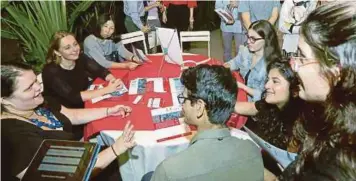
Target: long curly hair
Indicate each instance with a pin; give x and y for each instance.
(275, 125)
(330, 30)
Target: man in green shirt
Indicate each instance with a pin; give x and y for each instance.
(213, 154)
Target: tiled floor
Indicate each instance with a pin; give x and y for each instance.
(216, 46)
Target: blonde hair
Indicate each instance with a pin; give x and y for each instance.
(54, 46)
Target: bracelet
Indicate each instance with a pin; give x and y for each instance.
(107, 112)
(132, 57)
(113, 151)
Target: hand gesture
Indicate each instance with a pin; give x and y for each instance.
(131, 65)
(118, 110)
(114, 84)
(146, 29)
(126, 140)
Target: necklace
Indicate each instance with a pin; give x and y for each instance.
(67, 67)
(53, 124)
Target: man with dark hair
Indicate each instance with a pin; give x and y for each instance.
(213, 154)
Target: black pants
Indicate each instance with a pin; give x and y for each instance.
(178, 18)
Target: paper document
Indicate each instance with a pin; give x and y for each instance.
(139, 54)
(225, 15)
(141, 85)
(176, 88)
(117, 93)
(283, 157)
(166, 117)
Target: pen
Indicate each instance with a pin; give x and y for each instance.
(174, 137)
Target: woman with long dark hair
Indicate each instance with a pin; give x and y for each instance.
(327, 72)
(105, 48)
(251, 62)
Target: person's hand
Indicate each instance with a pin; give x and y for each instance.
(164, 17)
(113, 85)
(126, 140)
(119, 110)
(230, 22)
(136, 60)
(227, 65)
(131, 65)
(146, 29)
(233, 4)
(109, 77)
(240, 85)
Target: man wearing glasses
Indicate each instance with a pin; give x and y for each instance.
(213, 154)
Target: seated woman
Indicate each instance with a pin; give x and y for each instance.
(274, 116)
(101, 47)
(66, 74)
(27, 119)
(262, 49)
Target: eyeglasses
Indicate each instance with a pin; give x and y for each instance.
(181, 98)
(297, 62)
(253, 39)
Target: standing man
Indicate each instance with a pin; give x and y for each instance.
(232, 29)
(252, 10)
(135, 19)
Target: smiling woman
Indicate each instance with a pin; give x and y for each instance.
(27, 119)
(251, 62)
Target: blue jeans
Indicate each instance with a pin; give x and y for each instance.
(240, 39)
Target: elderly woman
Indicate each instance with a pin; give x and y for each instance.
(262, 49)
(102, 46)
(27, 119)
(327, 71)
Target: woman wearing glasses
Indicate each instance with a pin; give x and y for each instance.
(327, 72)
(262, 48)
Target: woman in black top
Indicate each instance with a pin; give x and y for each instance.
(274, 116)
(66, 74)
(26, 121)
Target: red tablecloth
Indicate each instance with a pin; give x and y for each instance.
(141, 116)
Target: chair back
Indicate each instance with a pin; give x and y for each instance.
(134, 37)
(195, 36)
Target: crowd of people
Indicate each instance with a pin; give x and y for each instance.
(298, 61)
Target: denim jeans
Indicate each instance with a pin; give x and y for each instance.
(240, 39)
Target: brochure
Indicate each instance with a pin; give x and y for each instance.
(142, 85)
(117, 93)
(225, 15)
(176, 88)
(166, 117)
(139, 54)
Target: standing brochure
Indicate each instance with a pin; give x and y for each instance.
(166, 117)
(176, 88)
(225, 15)
(283, 157)
(139, 54)
(63, 160)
